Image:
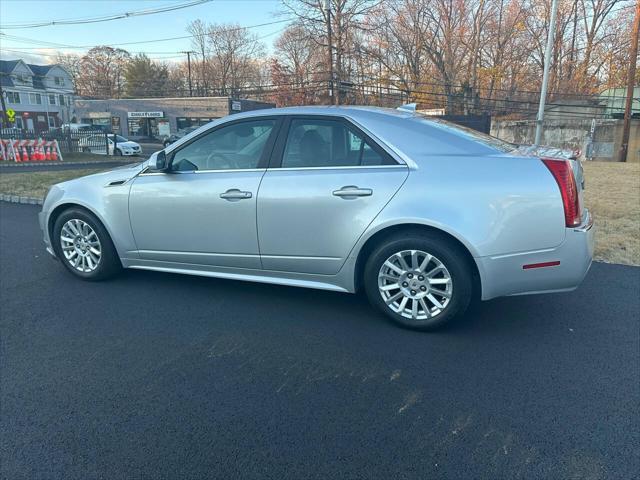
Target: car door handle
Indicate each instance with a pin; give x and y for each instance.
(353, 191)
(235, 194)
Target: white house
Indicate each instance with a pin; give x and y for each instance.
(41, 95)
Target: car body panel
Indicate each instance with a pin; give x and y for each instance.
(504, 208)
(180, 217)
(321, 228)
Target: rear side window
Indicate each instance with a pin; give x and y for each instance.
(328, 143)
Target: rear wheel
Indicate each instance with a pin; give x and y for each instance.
(83, 245)
(419, 280)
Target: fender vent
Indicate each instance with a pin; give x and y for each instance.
(116, 182)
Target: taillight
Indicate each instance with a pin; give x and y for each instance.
(562, 172)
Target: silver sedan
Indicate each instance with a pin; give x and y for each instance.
(422, 215)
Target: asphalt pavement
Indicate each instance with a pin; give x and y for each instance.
(163, 376)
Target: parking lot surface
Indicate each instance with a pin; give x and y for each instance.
(154, 375)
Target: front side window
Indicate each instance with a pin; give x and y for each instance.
(328, 143)
(236, 146)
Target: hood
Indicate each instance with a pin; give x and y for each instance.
(129, 144)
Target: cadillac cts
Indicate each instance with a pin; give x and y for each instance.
(420, 214)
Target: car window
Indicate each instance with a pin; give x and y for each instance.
(327, 143)
(226, 148)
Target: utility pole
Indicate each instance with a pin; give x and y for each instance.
(189, 67)
(633, 52)
(545, 75)
(327, 8)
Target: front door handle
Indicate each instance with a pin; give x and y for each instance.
(352, 191)
(235, 194)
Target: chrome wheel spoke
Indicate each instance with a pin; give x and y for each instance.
(415, 284)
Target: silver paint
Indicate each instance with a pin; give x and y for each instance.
(294, 230)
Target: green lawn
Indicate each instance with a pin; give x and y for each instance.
(35, 184)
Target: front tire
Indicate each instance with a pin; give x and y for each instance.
(419, 280)
(83, 245)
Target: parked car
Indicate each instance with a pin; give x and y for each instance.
(174, 137)
(96, 144)
(421, 214)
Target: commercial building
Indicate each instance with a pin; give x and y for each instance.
(40, 95)
(158, 117)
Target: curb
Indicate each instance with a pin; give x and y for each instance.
(4, 197)
(49, 164)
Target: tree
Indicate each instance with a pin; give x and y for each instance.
(146, 78)
(101, 72)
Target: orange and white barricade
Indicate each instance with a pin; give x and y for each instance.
(30, 150)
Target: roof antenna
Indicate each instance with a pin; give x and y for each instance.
(408, 107)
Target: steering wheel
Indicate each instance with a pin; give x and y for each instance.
(221, 161)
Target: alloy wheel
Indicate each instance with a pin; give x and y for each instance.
(415, 284)
(80, 245)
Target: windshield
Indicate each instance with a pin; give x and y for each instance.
(487, 140)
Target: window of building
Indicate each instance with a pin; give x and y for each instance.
(35, 99)
(61, 98)
(58, 80)
(328, 143)
(52, 99)
(235, 146)
(21, 77)
(184, 122)
(18, 122)
(52, 122)
(13, 97)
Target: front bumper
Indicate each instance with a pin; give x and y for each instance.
(504, 274)
(42, 220)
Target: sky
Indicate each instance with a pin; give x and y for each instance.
(32, 45)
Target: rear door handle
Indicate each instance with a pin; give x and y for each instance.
(352, 191)
(235, 194)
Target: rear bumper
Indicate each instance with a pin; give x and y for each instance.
(504, 275)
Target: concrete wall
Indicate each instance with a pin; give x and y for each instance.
(575, 134)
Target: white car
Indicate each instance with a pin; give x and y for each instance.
(123, 146)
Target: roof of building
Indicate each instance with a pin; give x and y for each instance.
(39, 72)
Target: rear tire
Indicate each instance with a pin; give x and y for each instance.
(84, 246)
(420, 280)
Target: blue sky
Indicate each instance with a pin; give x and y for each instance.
(134, 29)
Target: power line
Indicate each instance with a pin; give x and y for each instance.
(166, 39)
(107, 18)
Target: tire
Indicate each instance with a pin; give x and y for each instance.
(73, 221)
(439, 294)
(118, 152)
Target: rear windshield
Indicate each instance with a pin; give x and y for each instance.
(469, 134)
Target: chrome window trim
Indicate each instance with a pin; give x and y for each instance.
(344, 167)
(144, 173)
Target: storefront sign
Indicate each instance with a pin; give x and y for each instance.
(145, 114)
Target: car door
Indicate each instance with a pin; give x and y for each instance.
(203, 210)
(326, 183)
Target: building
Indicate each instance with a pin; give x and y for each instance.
(40, 95)
(158, 117)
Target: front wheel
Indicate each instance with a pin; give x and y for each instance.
(83, 245)
(420, 280)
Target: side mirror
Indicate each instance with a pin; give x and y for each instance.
(161, 161)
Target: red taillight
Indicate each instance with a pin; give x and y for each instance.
(562, 172)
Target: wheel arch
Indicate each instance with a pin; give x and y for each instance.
(387, 232)
(59, 209)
